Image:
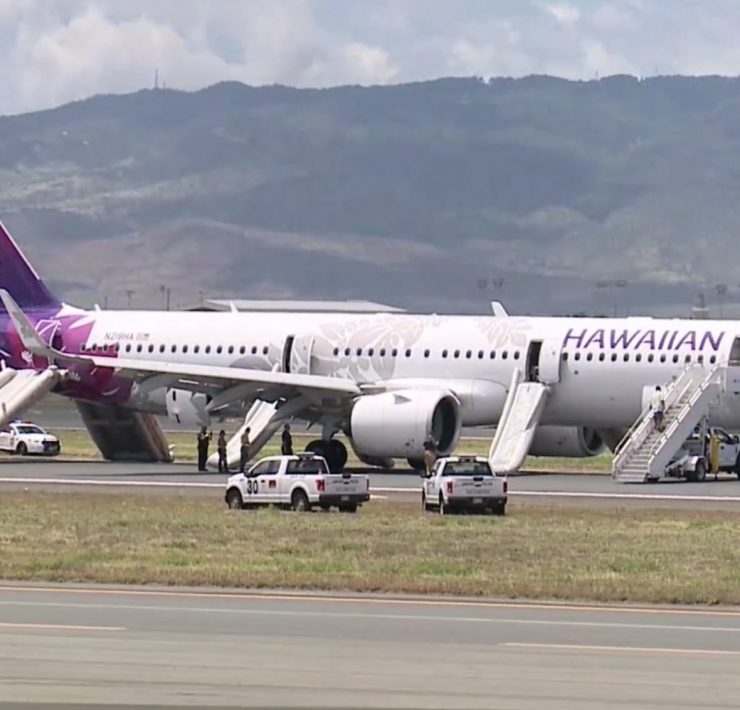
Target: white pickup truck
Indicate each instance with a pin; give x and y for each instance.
(298, 482)
(461, 483)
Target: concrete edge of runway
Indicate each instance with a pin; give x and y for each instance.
(158, 590)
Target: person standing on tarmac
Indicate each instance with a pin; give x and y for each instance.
(244, 452)
(223, 464)
(286, 444)
(430, 454)
(204, 439)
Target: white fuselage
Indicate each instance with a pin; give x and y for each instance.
(598, 368)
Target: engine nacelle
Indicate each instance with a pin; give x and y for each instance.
(185, 407)
(569, 441)
(395, 424)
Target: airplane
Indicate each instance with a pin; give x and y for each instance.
(387, 380)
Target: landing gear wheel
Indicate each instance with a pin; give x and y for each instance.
(337, 455)
(234, 500)
(417, 464)
(21, 449)
(299, 502)
(317, 446)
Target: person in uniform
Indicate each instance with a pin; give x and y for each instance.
(244, 457)
(286, 443)
(430, 454)
(223, 464)
(204, 439)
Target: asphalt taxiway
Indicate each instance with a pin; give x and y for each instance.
(531, 488)
(175, 648)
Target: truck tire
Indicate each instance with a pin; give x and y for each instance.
(234, 499)
(699, 473)
(299, 501)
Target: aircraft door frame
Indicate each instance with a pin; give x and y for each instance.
(297, 354)
(547, 361)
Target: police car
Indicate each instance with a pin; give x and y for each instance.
(25, 438)
(464, 483)
(299, 482)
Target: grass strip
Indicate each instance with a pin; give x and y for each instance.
(77, 444)
(558, 553)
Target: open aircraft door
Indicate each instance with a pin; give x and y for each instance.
(543, 361)
(297, 354)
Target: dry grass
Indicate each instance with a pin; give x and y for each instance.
(645, 556)
(77, 444)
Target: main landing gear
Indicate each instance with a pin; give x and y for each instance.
(335, 453)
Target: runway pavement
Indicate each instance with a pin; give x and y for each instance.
(544, 488)
(188, 648)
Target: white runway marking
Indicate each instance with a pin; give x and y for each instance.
(374, 489)
(623, 649)
(59, 627)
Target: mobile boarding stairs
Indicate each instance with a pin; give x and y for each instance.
(21, 389)
(645, 451)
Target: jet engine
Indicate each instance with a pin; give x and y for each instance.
(569, 441)
(185, 407)
(395, 424)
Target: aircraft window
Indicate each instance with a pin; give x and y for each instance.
(151, 348)
(457, 353)
(359, 351)
(105, 348)
(651, 357)
(394, 352)
(426, 353)
(408, 353)
(335, 351)
(207, 349)
(265, 350)
(219, 349)
(128, 347)
(370, 352)
(614, 357)
(231, 349)
(196, 348)
(626, 357)
(93, 346)
(504, 355)
(638, 358)
(687, 358)
(481, 354)
(516, 354)
(577, 356)
(589, 356)
(469, 354)
(564, 357)
(161, 348)
(173, 348)
(493, 354)
(662, 358)
(254, 350)
(444, 353)
(700, 359)
(82, 348)
(382, 352)
(675, 358)
(139, 348)
(184, 348)
(713, 359)
(243, 349)
(346, 351)
(602, 357)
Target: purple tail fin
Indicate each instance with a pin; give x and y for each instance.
(19, 278)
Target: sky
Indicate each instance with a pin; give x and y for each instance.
(55, 51)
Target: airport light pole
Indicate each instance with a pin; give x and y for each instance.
(129, 293)
(721, 290)
(613, 284)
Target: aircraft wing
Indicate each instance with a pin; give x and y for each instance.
(199, 378)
